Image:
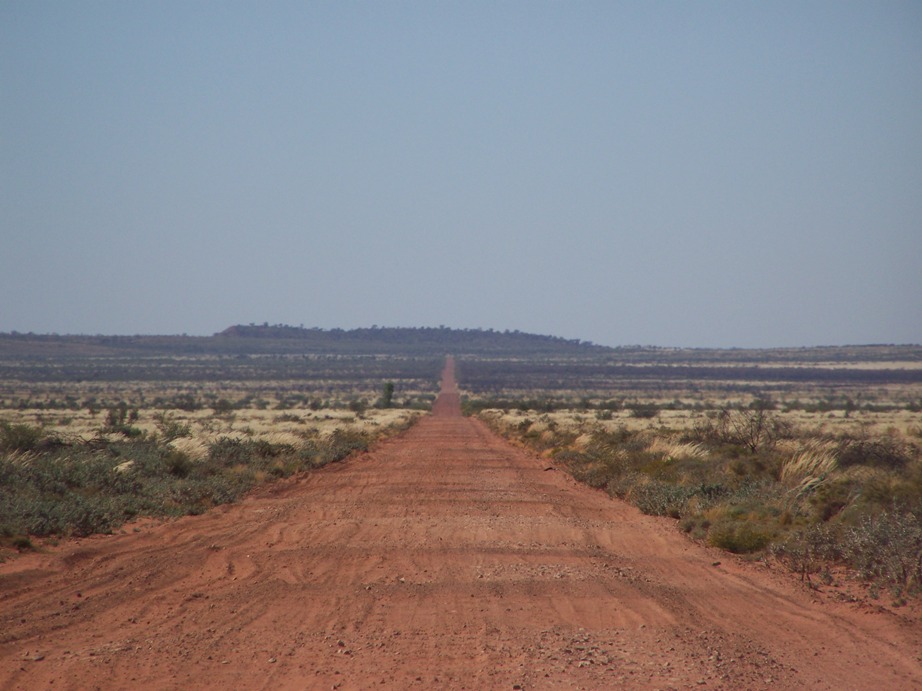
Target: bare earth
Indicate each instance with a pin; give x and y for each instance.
(444, 558)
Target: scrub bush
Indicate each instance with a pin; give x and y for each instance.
(84, 488)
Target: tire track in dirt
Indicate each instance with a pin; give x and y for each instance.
(443, 558)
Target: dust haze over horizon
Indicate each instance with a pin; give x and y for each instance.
(676, 174)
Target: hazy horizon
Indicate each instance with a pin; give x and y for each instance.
(714, 174)
(474, 328)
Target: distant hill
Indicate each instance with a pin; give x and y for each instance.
(424, 341)
(280, 339)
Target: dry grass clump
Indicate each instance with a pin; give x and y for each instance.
(194, 449)
(807, 470)
(672, 450)
(283, 439)
(583, 440)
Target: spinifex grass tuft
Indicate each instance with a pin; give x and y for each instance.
(807, 470)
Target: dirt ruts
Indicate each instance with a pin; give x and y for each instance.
(444, 558)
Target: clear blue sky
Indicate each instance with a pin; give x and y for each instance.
(666, 173)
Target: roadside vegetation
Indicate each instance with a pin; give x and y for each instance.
(822, 493)
(90, 470)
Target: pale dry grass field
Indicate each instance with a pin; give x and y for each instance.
(902, 423)
(291, 426)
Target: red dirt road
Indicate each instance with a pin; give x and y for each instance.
(444, 558)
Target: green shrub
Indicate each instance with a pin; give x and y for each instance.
(186, 402)
(343, 442)
(809, 550)
(170, 428)
(178, 464)
(223, 407)
(119, 419)
(19, 437)
(753, 429)
(662, 498)
(227, 451)
(886, 453)
(887, 547)
(696, 525)
(358, 406)
(644, 411)
(739, 538)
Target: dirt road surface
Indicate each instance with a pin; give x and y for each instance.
(444, 558)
